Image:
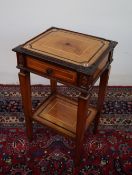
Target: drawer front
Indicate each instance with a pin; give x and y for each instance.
(51, 70)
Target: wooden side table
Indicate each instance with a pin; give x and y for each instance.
(74, 59)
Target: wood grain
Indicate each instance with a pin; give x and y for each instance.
(56, 71)
(60, 113)
(68, 46)
(24, 78)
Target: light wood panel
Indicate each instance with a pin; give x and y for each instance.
(68, 46)
(60, 113)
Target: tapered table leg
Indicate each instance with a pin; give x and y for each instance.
(101, 95)
(80, 128)
(53, 84)
(24, 78)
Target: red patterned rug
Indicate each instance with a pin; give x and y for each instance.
(107, 153)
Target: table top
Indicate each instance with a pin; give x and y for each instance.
(67, 47)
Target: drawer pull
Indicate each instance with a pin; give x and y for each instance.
(49, 71)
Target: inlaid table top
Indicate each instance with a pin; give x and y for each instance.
(71, 48)
(68, 46)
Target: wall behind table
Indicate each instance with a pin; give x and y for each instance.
(22, 20)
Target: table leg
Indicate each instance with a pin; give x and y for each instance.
(101, 95)
(24, 78)
(53, 84)
(80, 128)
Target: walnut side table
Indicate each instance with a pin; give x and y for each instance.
(71, 58)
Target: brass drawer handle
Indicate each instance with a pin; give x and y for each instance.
(49, 71)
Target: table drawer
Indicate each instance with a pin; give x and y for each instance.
(51, 70)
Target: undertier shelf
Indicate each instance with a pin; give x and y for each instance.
(60, 113)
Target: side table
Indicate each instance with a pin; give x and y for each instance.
(73, 59)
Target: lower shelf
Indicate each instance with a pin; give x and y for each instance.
(60, 113)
